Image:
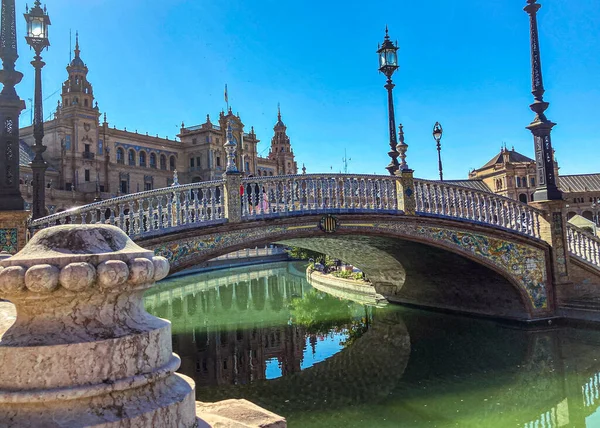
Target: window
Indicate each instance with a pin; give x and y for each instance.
(131, 158)
(194, 140)
(68, 142)
(120, 156)
(152, 160)
(87, 175)
(142, 158)
(523, 198)
(532, 181)
(191, 162)
(247, 166)
(524, 181)
(519, 183)
(198, 161)
(163, 162)
(172, 163)
(147, 186)
(68, 186)
(218, 161)
(124, 186)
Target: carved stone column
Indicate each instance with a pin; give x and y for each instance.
(405, 189)
(232, 199)
(83, 351)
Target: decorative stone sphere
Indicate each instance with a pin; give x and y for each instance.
(12, 279)
(42, 278)
(161, 267)
(77, 276)
(141, 270)
(112, 273)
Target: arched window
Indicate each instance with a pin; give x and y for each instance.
(270, 172)
(120, 156)
(142, 158)
(523, 197)
(152, 160)
(588, 215)
(519, 183)
(163, 162)
(172, 163)
(524, 181)
(132, 157)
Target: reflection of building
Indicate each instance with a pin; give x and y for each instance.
(513, 175)
(88, 159)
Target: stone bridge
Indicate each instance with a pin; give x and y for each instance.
(421, 242)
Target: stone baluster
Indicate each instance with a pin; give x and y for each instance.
(83, 351)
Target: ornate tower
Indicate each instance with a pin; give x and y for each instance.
(76, 90)
(281, 148)
(10, 108)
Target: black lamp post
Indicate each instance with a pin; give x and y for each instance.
(437, 136)
(37, 38)
(546, 188)
(10, 108)
(388, 63)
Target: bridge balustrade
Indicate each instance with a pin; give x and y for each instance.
(307, 194)
(146, 213)
(583, 245)
(444, 200)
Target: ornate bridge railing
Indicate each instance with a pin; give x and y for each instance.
(583, 245)
(146, 213)
(307, 194)
(160, 211)
(444, 200)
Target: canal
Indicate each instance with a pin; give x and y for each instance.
(264, 334)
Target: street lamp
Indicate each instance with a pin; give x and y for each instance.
(437, 136)
(37, 38)
(546, 188)
(388, 63)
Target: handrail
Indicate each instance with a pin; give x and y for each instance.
(463, 203)
(583, 245)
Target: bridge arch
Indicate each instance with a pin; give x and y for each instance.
(515, 267)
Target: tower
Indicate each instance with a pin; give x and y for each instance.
(281, 149)
(76, 90)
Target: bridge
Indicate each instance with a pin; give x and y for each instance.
(420, 242)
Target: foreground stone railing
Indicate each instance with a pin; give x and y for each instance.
(583, 245)
(445, 200)
(83, 351)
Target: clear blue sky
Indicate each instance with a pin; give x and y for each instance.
(464, 63)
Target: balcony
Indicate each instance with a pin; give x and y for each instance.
(88, 155)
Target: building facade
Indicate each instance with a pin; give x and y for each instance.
(90, 160)
(513, 175)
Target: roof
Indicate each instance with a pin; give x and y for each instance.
(470, 184)
(579, 183)
(513, 156)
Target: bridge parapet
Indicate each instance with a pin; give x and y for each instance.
(445, 200)
(583, 245)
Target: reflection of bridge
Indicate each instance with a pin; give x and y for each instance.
(511, 256)
(553, 371)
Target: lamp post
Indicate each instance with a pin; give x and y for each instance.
(546, 188)
(437, 136)
(10, 108)
(388, 63)
(37, 38)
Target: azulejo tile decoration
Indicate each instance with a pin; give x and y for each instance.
(525, 263)
(8, 240)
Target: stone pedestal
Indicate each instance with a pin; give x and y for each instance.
(554, 232)
(232, 199)
(83, 351)
(405, 188)
(13, 230)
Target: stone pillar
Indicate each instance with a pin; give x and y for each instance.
(232, 198)
(83, 351)
(13, 230)
(405, 189)
(554, 232)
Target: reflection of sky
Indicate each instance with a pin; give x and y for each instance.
(325, 347)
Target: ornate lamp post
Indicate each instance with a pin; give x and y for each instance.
(37, 38)
(10, 108)
(388, 63)
(437, 136)
(540, 127)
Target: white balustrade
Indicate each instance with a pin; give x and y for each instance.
(583, 245)
(439, 199)
(149, 213)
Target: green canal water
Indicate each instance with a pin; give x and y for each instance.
(263, 333)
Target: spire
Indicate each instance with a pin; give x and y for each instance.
(77, 44)
(279, 123)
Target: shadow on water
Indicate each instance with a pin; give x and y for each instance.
(266, 335)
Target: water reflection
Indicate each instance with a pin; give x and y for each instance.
(267, 336)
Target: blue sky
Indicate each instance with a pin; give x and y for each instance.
(464, 63)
